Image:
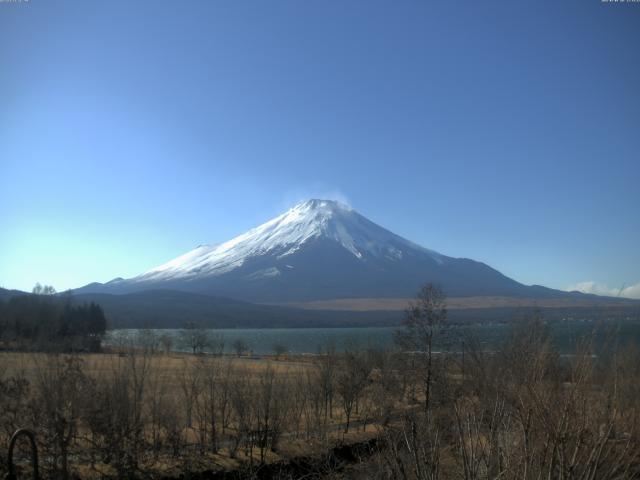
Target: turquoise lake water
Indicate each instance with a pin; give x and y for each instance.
(312, 340)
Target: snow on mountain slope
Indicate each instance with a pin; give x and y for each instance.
(286, 234)
(318, 250)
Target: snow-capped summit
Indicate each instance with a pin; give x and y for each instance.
(285, 235)
(319, 249)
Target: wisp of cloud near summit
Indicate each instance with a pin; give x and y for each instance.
(631, 291)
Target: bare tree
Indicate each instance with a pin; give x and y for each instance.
(196, 338)
(159, 408)
(315, 407)
(351, 380)
(423, 323)
(269, 408)
(240, 347)
(279, 349)
(15, 388)
(241, 398)
(209, 404)
(43, 290)
(166, 341)
(59, 394)
(115, 411)
(190, 387)
(217, 344)
(326, 363)
(148, 340)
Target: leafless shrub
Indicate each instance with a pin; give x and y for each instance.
(60, 387)
(423, 323)
(195, 338)
(351, 379)
(240, 347)
(166, 341)
(115, 413)
(14, 392)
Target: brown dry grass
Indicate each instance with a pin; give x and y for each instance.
(172, 367)
(456, 303)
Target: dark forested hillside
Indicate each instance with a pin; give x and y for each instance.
(173, 309)
(51, 323)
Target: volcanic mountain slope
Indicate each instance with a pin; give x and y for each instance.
(321, 249)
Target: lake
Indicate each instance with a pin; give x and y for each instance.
(312, 340)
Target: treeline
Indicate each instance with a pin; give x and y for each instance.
(44, 321)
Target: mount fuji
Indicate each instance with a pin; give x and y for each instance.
(321, 250)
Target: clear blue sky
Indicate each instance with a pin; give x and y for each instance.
(504, 131)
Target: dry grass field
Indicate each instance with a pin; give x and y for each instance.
(458, 303)
(171, 404)
(171, 365)
(520, 411)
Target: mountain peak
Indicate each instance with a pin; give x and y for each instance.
(320, 249)
(317, 212)
(312, 220)
(321, 204)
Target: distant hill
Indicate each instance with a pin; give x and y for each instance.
(461, 303)
(172, 309)
(6, 294)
